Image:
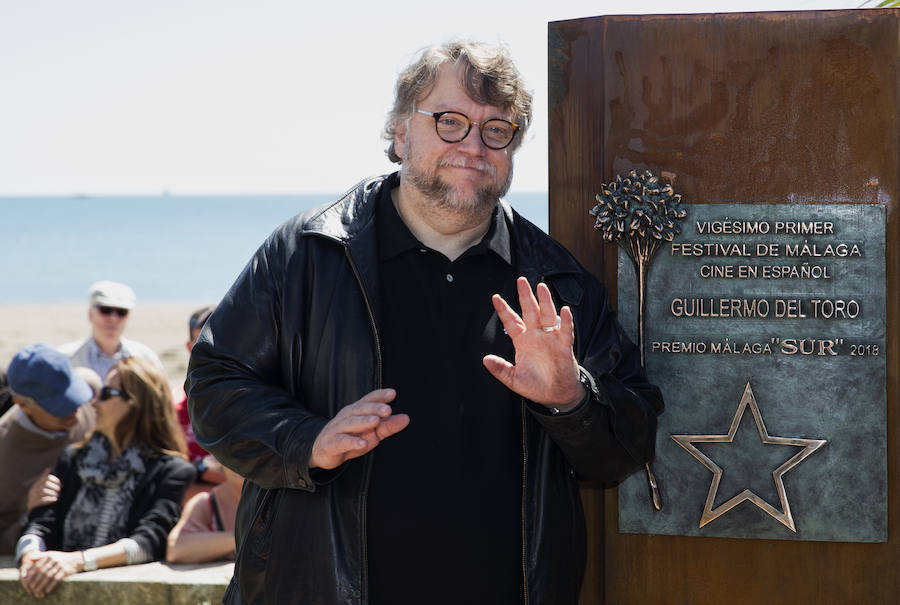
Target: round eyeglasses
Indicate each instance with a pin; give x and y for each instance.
(453, 127)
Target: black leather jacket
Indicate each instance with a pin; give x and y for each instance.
(296, 338)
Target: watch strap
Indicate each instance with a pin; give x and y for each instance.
(90, 561)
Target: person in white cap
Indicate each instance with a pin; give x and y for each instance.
(110, 303)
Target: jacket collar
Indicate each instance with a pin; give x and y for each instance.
(352, 215)
(353, 212)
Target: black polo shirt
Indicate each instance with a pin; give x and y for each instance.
(444, 509)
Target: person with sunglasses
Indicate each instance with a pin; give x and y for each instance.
(121, 488)
(110, 305)
(413, 378)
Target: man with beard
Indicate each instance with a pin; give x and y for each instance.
(392, 376)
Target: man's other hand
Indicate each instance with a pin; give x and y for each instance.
(44, 491)
(357, 429)
(546, 370)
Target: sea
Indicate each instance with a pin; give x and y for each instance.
(166, 247)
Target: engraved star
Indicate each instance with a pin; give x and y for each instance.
(809, 446)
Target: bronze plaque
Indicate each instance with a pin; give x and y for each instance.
(765, 329)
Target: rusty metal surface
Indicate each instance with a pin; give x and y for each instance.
(762, 108)
(765, 107)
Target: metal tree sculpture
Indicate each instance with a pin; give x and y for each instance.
(638, 214)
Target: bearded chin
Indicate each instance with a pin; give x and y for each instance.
(448, 197)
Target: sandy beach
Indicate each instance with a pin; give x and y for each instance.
(162, 326)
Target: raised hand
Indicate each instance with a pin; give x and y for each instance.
(545, 369)
(357, 429)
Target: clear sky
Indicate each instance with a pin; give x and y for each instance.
(264, 96)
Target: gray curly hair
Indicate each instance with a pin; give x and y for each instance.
(489, 75)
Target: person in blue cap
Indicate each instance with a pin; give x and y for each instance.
(49, 414)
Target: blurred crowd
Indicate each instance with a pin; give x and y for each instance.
(98, 462)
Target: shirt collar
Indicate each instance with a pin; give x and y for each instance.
(497, 238)
(100, 362)
(28, 424)
(394, 237)
(97, 353)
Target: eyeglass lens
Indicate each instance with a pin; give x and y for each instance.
(453, 127)
(111, 310)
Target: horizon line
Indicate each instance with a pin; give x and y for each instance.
(170, 193)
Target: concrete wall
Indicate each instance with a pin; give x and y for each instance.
(148, 584)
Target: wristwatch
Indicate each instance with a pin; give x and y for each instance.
(90, 561)
(588, 382)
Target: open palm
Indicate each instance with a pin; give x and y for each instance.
(545, 369)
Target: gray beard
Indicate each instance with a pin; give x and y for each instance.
(445, 197)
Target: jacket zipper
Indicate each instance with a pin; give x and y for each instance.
(524, 486)
(524, 510)
(378, 380)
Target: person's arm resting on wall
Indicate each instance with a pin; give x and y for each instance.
(192, 540)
